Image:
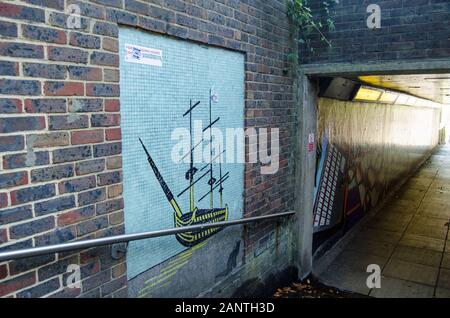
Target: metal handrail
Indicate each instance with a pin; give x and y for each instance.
(125, 238)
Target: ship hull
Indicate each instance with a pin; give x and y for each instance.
(200, 216)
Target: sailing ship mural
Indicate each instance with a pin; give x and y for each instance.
(162, 189)
(196, 215)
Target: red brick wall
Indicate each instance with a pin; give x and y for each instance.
(60, 138)
(410, 30)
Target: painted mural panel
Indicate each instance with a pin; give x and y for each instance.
(171, 89)
(364, 150)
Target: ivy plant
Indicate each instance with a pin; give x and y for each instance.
(303, 19)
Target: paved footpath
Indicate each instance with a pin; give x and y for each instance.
(408, 239)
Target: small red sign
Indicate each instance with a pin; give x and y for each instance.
(311, 142)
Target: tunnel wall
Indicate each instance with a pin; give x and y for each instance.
(61, 142)
(381, 143)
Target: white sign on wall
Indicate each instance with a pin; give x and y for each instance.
(143, 55)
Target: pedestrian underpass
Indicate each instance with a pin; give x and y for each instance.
(381, 185)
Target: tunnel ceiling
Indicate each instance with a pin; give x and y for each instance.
(434, 87)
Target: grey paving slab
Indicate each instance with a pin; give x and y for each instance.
(373, 247)
(411, 194)
(393, 215)
(412, 272)
(356, 260)
(442, 293)
(443, 206)
(414, 203)
(422, 242)
(446, 260)
(397, 209)
(417, 255)
(398, 288)
(377, 234)
(437, 211)
(440, 185)
(388, 225)
(351, 281)
(439, 200)
(421, 180)
(428, 227)
(435, 164)
(429, 171)
(349, 271)
(442, 178)
(418, 184)
(438, 196)
(424, 173)
(403, 203)
(444, 278)
(444, 173)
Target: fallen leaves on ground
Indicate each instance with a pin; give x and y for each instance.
(311, 288)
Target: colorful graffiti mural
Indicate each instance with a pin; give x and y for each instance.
(381, 144)
(328, 190)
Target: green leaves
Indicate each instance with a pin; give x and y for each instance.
(302, 17)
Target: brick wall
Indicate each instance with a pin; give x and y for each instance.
(410, 30)
(60, 137)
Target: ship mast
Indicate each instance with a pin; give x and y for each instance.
(191, 170)
(220, 175)
(211, 183)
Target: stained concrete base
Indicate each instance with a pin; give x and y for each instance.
(408, 238)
